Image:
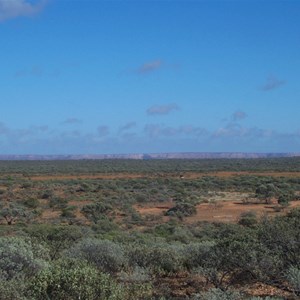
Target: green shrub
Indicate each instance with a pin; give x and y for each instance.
(264, 298)
(195, 254)
(13, 289)
(58, 203)
(103, 254)
(68, 212)
(73, 279)
(31, 203)
(248, 219)
(293, 277)
(217, 294)
(19, 258)
(96, 211)
(182, 209)
(161, 258)
(57, 238)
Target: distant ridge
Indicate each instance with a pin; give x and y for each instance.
(148, 156)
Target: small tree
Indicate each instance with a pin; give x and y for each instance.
(285, 198)
(13, 212)
(266, 192)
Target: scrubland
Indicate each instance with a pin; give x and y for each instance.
(150, 229)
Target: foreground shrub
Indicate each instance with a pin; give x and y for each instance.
(19, 258)
(103, 254)
(57, 238)
(264, 298)
(12, 290)
(238, 259)
(162, 258)
(195, 254)
(73, 279)
(293, 277)
(217, 294)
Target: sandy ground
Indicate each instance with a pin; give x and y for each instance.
(219, 211)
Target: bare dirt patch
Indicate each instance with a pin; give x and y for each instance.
(184, 175)
(154, 208)
(224, 174)
(225, 211)
(85, 176)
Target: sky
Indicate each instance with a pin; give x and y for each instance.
(109, 77)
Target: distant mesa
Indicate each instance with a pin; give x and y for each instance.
(148, 156)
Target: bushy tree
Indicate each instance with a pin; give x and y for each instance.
(266, 192)
(56, 238)
(281, 236)
(13, 212)
(237, 259)
(285, 198)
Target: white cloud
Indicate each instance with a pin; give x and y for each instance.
(69, 121)
(272, 83)
(10, 9)
(103, 131)
(238, 115)
(162, 109)
(150, 67)
(127, 126)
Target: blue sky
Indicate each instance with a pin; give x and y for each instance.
(82, 76)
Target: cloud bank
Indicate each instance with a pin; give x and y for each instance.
(153, 137)
(10, 9)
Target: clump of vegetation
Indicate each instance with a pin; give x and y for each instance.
(182, 209)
